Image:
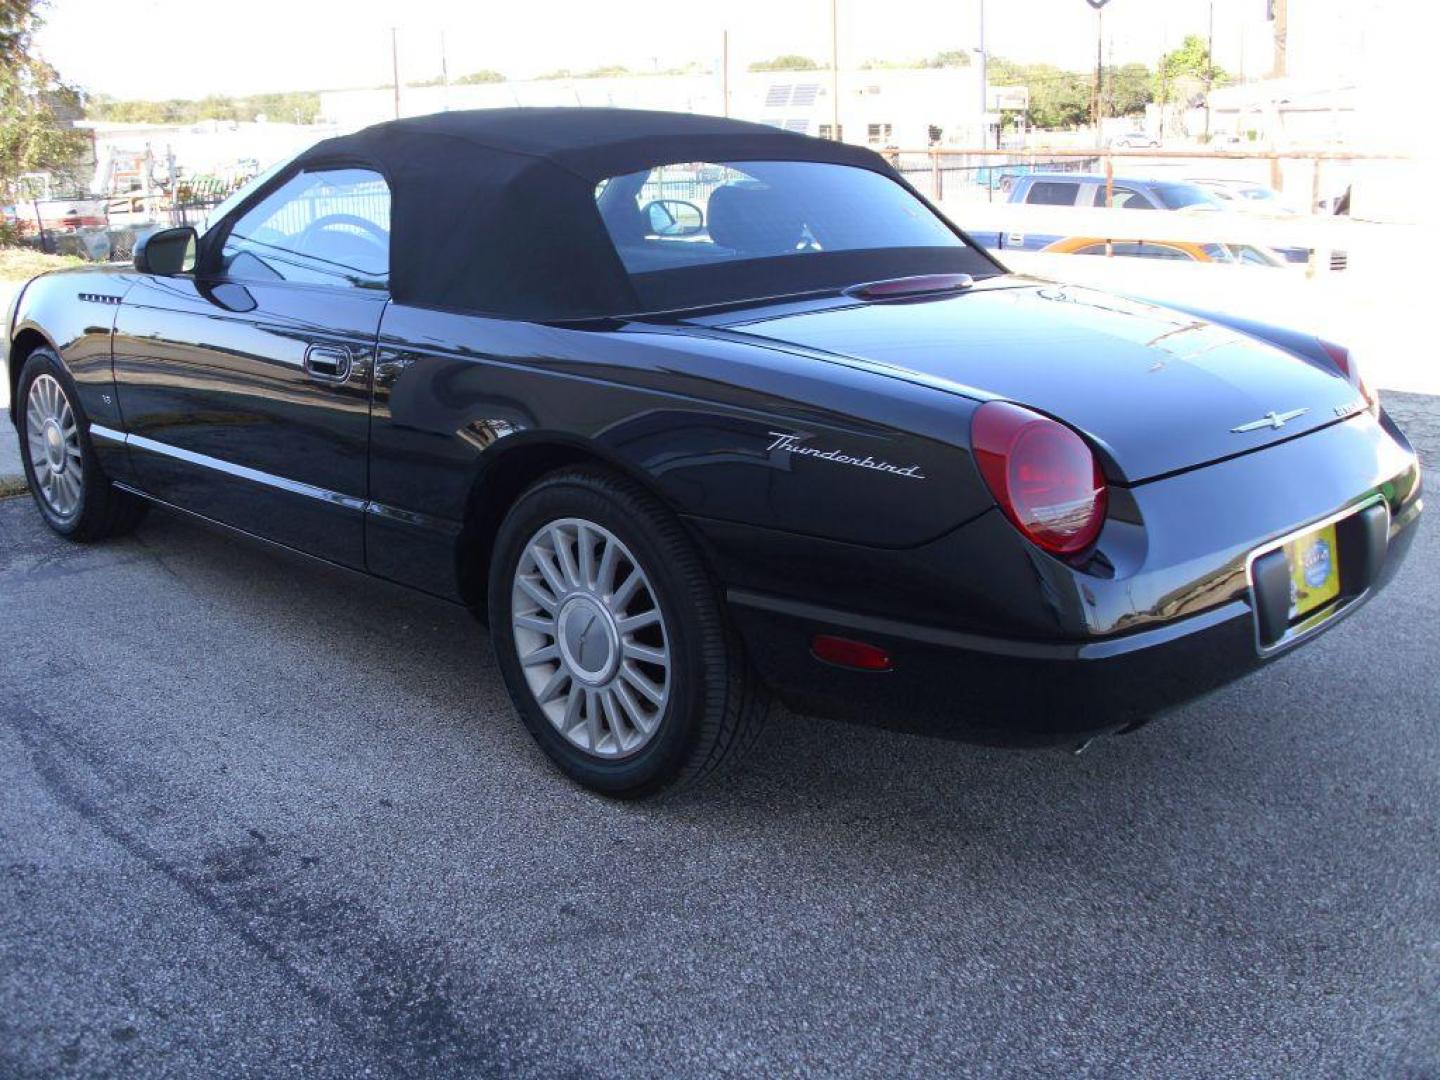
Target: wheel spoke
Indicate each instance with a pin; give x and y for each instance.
(605, 576)
(635, 651)
(572, 716)
(632, 675)
(586, 542)
(632, 708)
(592, 720)
(638, 622)
(546, 565)
(612, 718)
(623, 594)
(538, 623)
(566, 558)
(552, 688)
(544, 654)
(530, 589)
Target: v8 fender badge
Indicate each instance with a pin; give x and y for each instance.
(790, 443)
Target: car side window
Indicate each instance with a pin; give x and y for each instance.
(1153, 251)
(327, 227)
(1052, 193)
(1122, 198)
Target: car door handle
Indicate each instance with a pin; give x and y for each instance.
(329, 363)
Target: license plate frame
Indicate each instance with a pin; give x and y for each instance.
(1325, 610)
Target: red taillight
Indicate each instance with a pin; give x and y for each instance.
(852, 654)
(1350, 369)
(1043, 475)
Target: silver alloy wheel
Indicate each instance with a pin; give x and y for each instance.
(591, 638)
(54, 444)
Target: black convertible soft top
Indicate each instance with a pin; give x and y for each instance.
(497, 206)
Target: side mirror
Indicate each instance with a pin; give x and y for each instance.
(674, 218)
(167, 252)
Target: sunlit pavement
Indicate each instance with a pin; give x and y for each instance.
(260, 817)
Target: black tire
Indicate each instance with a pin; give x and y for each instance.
(716, 705)
(103, 509)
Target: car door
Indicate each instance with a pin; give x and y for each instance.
(1043, 193)
(245, 386)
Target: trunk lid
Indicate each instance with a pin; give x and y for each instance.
(1160, 391)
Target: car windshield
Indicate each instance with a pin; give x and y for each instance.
(1182, 196)
(703, 213)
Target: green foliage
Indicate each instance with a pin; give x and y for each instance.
(1060, 99)
(787, 62)
(483, 76)
(36, 106)
(1127, 89)
(299, 107)
(950, 58)
(1184, 72)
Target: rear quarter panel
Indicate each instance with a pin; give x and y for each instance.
(698, 420)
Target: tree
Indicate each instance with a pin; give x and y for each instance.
(787, 62)
(950, 58)
(37, 108)
(1127, 89)
(1061, 98)
(483, 76)
(1185, 72)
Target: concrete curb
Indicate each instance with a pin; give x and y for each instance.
(12, 472)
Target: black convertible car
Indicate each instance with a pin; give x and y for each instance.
(695, 412)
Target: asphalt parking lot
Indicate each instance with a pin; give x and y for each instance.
(263, 818)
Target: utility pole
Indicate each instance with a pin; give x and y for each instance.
(395, 66)
(1099, 99)
(835, 70)
(1209, 69)
(444, 76)
(984, 84)
(1280, 17)
(725, 72)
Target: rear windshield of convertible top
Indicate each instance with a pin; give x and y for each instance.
(686, 217)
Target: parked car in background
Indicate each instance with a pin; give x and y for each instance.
(1175, 250)
(1135, 139)
(1122, 193)
(1245, 195)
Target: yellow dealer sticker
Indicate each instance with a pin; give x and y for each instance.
(1314, 571)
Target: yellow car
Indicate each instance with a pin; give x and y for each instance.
(1182, 250)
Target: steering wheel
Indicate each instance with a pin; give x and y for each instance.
(373, 232)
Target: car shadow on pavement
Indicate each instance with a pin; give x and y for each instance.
(1235, 750)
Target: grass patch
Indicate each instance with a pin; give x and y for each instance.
(21, 264)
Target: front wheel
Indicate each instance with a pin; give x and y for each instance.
(73, 495)
(610, 639)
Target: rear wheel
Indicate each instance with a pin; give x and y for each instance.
(609, 636)
(73, 495)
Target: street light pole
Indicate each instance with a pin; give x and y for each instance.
(835, 70)
(1209, 68)
(395, 66)
(1099, 5)
(984, 84)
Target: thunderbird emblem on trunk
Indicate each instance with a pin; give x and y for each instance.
(1270, 420)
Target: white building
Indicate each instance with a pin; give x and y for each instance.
(907, 107)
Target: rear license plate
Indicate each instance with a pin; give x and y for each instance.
(1314, 570)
